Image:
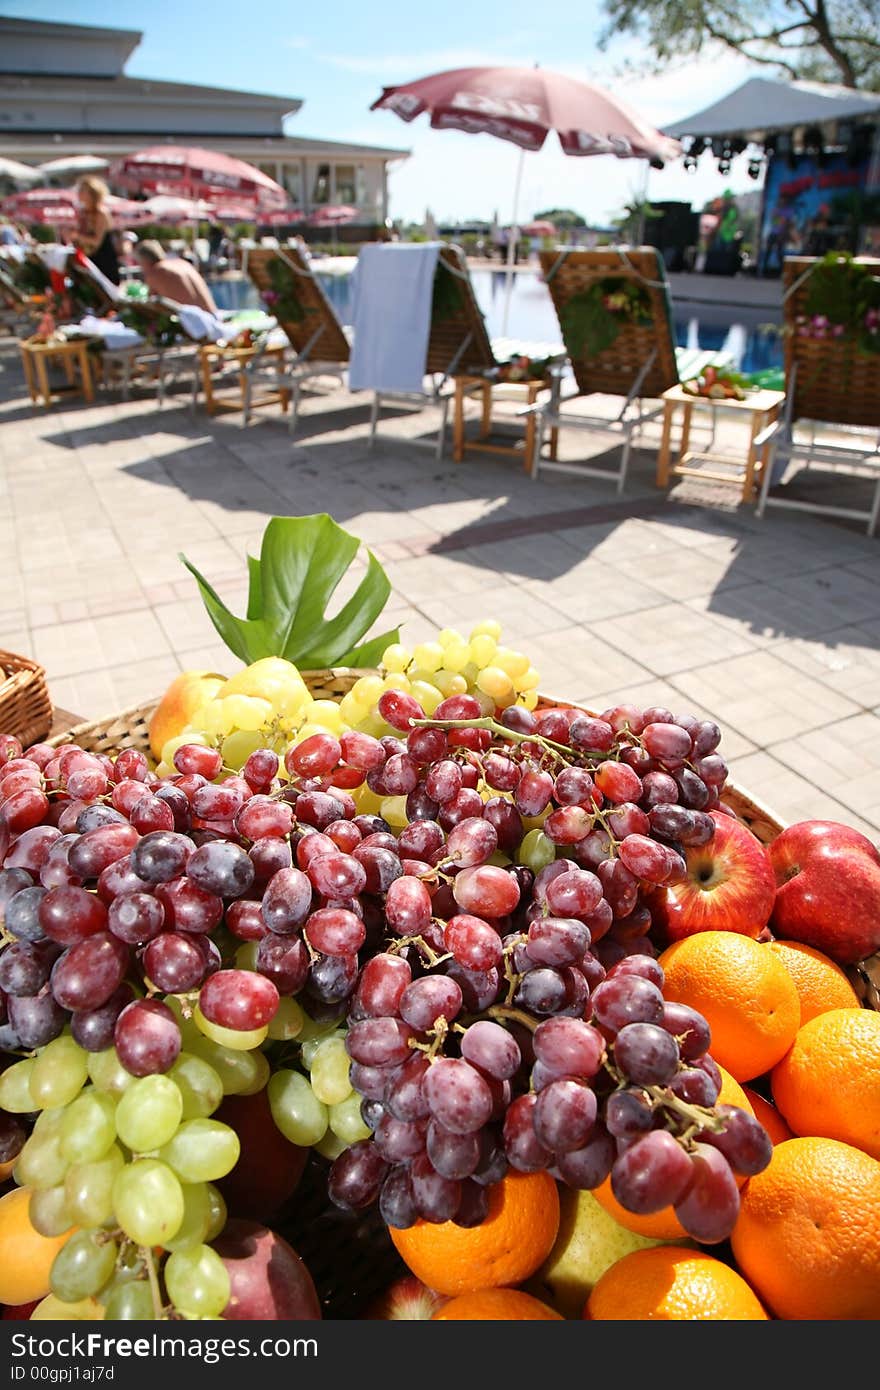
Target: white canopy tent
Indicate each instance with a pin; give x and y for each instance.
(762, 105)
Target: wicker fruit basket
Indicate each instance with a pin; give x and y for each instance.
(350, 1255)
(25, 706)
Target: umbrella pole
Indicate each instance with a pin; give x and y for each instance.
(513, 238)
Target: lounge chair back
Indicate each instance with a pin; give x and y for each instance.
(828, 377)
(458, 342)
(87, 292)
(615, 371)
(311, 323)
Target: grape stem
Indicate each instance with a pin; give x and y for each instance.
(152, 1275)
(492, 725)
(506, 1014)
(400, 943)
(438, 1038)
(697, 1116)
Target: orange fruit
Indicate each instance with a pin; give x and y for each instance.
(769, 1117)
(808, 1234)
(514, 1240)
(666, 1284)
(820, 983)
(744, 992)
(829, 1083)
(25, 1256)
(665, 1225)
(496, 1305)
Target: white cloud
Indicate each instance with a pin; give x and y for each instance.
(409, 66)
(298, 42)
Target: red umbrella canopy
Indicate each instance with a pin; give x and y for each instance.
(42, 205)
(523, 104)
(198, 173)
(333, 216)
(281, 217)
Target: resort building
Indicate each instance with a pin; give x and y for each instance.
(64, 90)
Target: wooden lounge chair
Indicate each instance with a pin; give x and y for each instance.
(827, 381)
(640, 364)
(155, 360)
(293, 295)
(19, 308)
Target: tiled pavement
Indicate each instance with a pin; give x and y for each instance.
(772, 628)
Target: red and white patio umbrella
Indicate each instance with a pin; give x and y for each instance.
(44, 206)
(334, 216)
(173, 209)
(224, 210)
(540, 227)
(523, 105)
(193, 172)
(281, 217)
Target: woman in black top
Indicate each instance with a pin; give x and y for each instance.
(94, 229)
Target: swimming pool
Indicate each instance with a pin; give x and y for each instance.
(752, 346)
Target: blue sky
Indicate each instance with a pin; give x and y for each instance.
(336, 55)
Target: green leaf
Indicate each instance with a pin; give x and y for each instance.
(370, 653)
(242, 638)
(255, 589)
(302, 562)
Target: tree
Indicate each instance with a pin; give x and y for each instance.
(561, 217)
(820, 40)
(631, 219)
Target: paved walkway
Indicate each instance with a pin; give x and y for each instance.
(772, 628)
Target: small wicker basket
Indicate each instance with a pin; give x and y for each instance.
(25, 706)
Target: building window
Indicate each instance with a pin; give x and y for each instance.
(360, 186)
(345, 187)
(291, 178)
(321, 189)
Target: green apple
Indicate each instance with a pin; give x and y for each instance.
(589, 1242)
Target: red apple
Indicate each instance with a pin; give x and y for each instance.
(20, 1312)
(729, 886)
(269, 1280)
(828, 893)
(406, 1300)
(270, 1167)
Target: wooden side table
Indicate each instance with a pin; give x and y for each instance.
(525, 392)
(212, 353)
(71, 353)
(761, 408)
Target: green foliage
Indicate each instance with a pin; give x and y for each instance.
(283, 299)
(446, 298)
(302, 561)
(162, 329)
(32, 277)
(562, 218)
(591, 321)
(844, 292)
(821, 40)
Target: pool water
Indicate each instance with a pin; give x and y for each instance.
(752, 347)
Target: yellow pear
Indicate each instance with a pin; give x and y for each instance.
(589, 1242)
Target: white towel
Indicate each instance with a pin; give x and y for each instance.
(201, 325)
(393, 287)
(54, 256)
(113, 292)
(117, 336)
